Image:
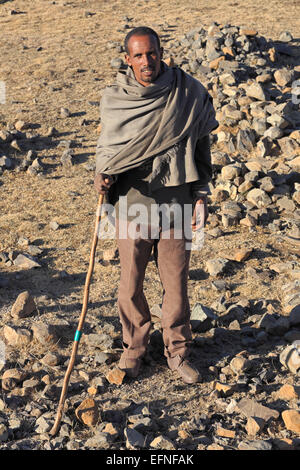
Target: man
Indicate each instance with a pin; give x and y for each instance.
(153, 152)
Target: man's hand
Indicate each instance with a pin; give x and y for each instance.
(200, 214)
(103, 182)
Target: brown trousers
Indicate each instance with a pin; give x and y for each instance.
(172, 259)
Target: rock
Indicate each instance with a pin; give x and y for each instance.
(25, 261)
(64, 112)
(3, 433)
(156, 311)
(239, 364)
(202, 318)
(87, 412)
(239, 255)
(258, 198)
(274, 325)
(287, 392)
(273, 133)
(24, 306)
(162, 442)
(51, 359)
(11, 378)
(283, 77)
(17, 336)
(228, 433)
(250, 408)
(67, 158)
(43, 424)
(5, 163)
(102, 341)
(290, 357)
(115, 376)
(285, 36)
(255, 445)
(216, 266)
(54, 225)
(254, 425)
(291, 420)
(44, 333)
(134, 439)
(229, 172)
(117, 63)
(224, 389)
(255, 90)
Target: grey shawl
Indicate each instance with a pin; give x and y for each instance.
(139, 122)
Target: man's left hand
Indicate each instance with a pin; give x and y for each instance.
(200, 214)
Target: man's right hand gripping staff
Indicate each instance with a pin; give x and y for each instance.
(103, 182)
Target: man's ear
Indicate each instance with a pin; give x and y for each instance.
(161, 52)
(127, 59)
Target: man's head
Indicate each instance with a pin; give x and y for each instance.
(143, 54)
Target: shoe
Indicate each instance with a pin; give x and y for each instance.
(130, 366)
(186, 370)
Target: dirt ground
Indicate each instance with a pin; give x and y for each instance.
(55, 54)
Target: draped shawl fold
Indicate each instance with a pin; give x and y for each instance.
(140, 123)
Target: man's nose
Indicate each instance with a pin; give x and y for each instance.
(146, 60)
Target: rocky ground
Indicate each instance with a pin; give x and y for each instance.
(56, 57)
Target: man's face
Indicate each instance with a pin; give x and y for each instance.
(144, 57)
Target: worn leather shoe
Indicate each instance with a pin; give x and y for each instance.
(130, 366)
(186, 370)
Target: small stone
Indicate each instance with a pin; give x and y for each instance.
(134, 439)
(117, 63)
(255, 445)
(240, 255)
(287, 392)
(216, 266)
(111, 429)
(115, 376)
(67, 158)
(223, 432)
(225, 389)
(11, 378)
(285, 36)
(24, 306)
(64, 112)
(162, 442)
(87, 412)
(44, 333)
(290, 358)
(3, 433)
(54, 225)
(250, 408)
(202, 318)
(258, 198)
(239, 364)
(255, 90)
(283, 77)
(254, 425)
(25, 261)
(92, 390)
(17, 336)
(291, 420)
(43, 425)
(51, 359)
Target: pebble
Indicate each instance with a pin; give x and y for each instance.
(115, 376)
(17, 336)
(24, 306)
(87, 412)
(291, 420)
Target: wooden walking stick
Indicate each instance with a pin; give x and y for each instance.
(78, 332)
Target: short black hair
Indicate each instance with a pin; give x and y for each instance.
(140, 31)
